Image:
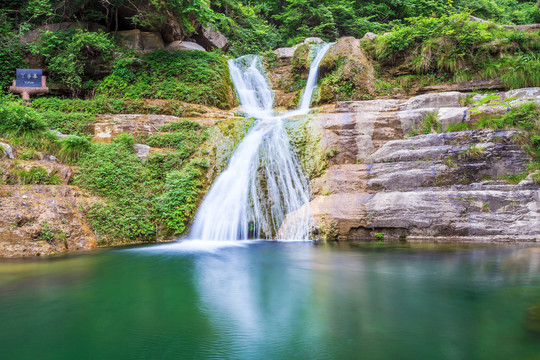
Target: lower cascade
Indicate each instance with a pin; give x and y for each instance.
(264, 181)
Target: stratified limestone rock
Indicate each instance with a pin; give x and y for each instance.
(430, 187)
(434, 187)
(40, 219)
(110, 126)
(435, 100)
(183, 45)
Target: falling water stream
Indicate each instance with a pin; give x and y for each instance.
(264, 180)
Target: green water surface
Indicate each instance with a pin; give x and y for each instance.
(272, 301)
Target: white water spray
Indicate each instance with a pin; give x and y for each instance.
(264, 180)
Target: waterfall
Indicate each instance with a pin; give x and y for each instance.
(263, 181)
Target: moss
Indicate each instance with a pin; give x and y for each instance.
(346, 73)
(305, 138)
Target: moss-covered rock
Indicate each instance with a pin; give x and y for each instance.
(346, 73)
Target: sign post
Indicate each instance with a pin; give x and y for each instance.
(29, 81)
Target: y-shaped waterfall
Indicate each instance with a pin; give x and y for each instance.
(264, 180)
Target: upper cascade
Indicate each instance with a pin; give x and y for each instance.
(264, 181)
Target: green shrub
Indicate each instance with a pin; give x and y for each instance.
(72, 147)
(457, 127)
(181, 197)
(66, 51)
(19, 120)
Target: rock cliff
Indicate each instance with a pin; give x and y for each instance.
(434, 187)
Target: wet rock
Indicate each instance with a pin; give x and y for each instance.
(7, 150)
(347, 61)
(211, 38)
(184, 45)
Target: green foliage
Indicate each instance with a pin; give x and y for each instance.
(427, 125)
(72, 147)
(16, 119)
(181, 197)
(11, 52)
(457, 127)
(246, 28)
(50, 235)
(34, 176)
(191, 76)
(66, 51)
(454, 46)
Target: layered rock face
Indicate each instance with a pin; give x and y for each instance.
(41, 219)
(434, 187)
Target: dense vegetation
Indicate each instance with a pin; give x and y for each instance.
(426, 41)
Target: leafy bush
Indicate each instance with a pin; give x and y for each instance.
(66, 51)
(16, 119)
(72, 147)
(456, 47)
(181, 197)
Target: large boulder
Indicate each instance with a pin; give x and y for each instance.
(152, 41)
(211, 38)
(347, 74)
(141, 41)
(132, 39)
(184, 45)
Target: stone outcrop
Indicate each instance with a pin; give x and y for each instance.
(211, 38)
(141, 41)
(40, 220)
(350, 66)
(183, 45)
(434, 187)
